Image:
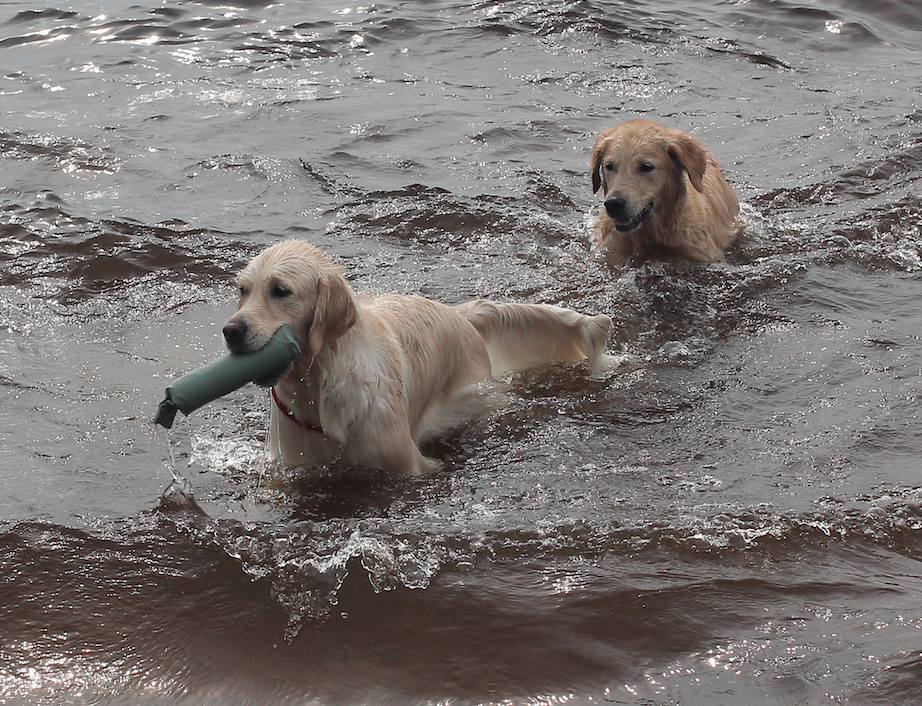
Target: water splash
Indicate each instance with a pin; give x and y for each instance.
(179, 495)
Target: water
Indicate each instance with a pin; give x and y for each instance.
(731, 515)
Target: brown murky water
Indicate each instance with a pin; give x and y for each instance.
(731, 515)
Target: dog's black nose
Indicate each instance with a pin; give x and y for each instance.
(616, 207)
(235, 331)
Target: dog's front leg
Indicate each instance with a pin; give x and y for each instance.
(389, 447)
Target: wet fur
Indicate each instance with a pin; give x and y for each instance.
(643, 166)
(380, 375)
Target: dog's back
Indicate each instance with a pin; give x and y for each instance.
(436, 358)
(445, 357)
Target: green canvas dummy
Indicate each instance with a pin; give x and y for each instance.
(225, 375)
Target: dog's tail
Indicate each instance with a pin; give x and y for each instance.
(523, 336)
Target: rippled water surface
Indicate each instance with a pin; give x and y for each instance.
(731, 514)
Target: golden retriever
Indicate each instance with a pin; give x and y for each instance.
(664, 194)
(380, 375)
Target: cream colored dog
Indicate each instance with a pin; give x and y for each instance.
(380, 375)
(664, 195)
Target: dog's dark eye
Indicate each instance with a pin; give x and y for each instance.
(646, 167)
(280, 291)
(609, 167)
(242, 292)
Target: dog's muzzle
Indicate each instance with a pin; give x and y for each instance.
(616, 208)
(237, 336)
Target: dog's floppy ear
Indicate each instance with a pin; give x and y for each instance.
(691, 156)
(598, 179)
(334, 313)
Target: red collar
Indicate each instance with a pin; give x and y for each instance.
(283, 408)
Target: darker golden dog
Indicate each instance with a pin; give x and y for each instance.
(664, 195)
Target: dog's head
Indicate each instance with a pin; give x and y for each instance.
(290, 283)
(640, 165)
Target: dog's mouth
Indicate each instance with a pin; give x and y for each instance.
(242, 345)
(624, 225)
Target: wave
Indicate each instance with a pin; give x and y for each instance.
(448, 526)
(306, 562)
